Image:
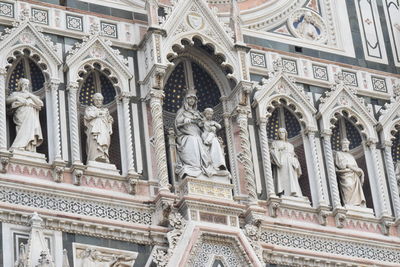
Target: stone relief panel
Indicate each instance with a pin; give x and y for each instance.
(93, 256)
(308, 25)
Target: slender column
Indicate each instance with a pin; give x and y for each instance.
(317, 169)
(156, 98)
(265, 153)
(333, 185)
(125, 99)
(380, 185)
(392, 179)
(231, 154)
(242, 120)
(3, 117)
(74, 122)
(53, 88)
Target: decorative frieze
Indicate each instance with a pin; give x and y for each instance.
(40, 16)
(379, 84)
(320, 72)
(258, 59)
(74, 23)
(109, 29)
(350, 78)
(7, 9)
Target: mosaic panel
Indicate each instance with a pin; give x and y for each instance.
(324, 245)
(107, 89)
(73, 206)
(6, 9)
(40, 16)
(87, 91)
(289, 66)
(74, 23)
(350, 78)
(273, 125)
(291, 123)
(320, 72)
(18, 73)
(379, 84)
(175, 89)
(37, 77)
(396, 148)
(258, 60)
(109, 29)
(207, 90)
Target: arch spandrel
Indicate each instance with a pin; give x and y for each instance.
(96, 50)
(280, 88)
(342, 99)
(25, 36)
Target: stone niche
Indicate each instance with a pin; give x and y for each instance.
(93, 256)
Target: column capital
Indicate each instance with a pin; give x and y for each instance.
(262, 121)
(326, 133)
(124, 96)
(371, 142)
(156, 94)
(73, 86)
(3, 71)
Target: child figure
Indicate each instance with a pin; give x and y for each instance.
(210, 139)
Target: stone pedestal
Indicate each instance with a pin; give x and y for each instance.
(297, 201)
(357, 211)
(218, 186)
(101, 168)
(28, 156)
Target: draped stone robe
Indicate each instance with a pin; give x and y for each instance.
(288, 168)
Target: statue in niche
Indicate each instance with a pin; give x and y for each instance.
(351, 177)
(288, 170)
(193, 158)
(26, 107)
(306, 28)
(210, 139)
(98, 128)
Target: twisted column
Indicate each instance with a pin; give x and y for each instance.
(156, 98)
(330, 162)
(125, 99)
(3, 117)
(266, 157)
(242, 120)
(72, 89)
(231, 154)
(318, 178)
(52, 86)
(392, 179)
(378, 178)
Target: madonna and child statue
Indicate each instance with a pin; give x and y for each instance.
(200, 154)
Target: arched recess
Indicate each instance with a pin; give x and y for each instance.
(25, 51)
(93, 66)
(196, 67)
(277, 101)
(341, 103)
(389, 129)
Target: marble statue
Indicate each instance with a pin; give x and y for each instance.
(98, 128)
(193, 158)
(306, 27)
(288, 170)
(351, 177)
(210, 139)
(26, 107)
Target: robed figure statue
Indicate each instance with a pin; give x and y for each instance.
(287, 167)
(351, 177)
(98, 129)
(26, 107)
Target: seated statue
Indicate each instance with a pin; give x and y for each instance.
(351, 177)
(210, 139)
(288, 169)
(98, 128)
(26, 107)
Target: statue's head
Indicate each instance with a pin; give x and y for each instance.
(23, 84)
(345, 145)
(282, 134)
(191, 99)
(308, 17)
(208, 113)
(98, 100)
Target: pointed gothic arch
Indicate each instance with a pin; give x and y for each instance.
(24, 42)
(96, 57)
(280, 91)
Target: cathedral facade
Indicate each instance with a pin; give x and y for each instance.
(199, 133)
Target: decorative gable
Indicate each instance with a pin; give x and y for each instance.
(25, 35)
(341, 99)
(281, 87)
(390, 116)
(96, 49)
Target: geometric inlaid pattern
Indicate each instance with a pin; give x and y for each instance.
(324, 245)
(74, 206)
(6, 9)
(350, 78)
(289, 66)
(320, 72)
(258, 60)
(379, 84)
(74, 23)
(109, 29)
(40, 16)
